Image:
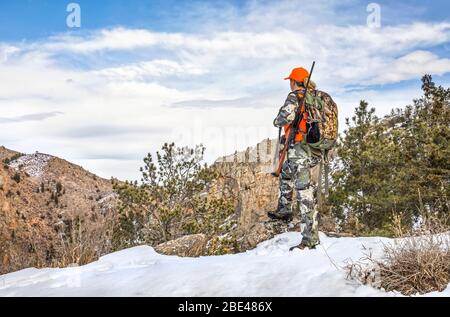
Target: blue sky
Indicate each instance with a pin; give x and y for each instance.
(140, 73)
(32, 19)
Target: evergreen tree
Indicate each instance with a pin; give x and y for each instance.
(395, 168)
(170, 200)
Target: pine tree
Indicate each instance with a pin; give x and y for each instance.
(397, 167)
(170, 200)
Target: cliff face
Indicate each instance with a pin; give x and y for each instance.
(246, 178)
(47, 203)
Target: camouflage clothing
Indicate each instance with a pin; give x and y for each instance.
(287, 112)
(295, 175)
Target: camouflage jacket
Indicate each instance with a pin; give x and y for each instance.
(287, 112)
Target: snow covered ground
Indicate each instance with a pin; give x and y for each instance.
(269, 270)
(33, 164)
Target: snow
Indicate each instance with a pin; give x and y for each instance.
(33, 164)
(269, 270)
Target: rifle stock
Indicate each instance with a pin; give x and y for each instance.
(293, 131)
(282, 157)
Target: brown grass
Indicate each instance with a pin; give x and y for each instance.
(84, 243)
(417, 264)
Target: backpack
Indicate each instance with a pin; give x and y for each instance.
(322, 133)
(322, 123)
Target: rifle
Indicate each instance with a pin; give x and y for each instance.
(276, 155)
(293, 131)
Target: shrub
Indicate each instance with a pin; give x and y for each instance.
(170, 201)
(83, 243)
(6, 161)
(59, 188)
(16, 177)
(418, 264)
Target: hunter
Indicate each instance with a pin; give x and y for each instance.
(301, 158)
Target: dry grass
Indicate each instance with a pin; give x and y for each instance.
(84, 243)
(417, 264)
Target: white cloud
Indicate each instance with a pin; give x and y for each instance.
(6, 51)
(115, 39)
(410, 65)
(220, 86)
(29, 117)
(356, 54)
(155, 68)
(383, 102)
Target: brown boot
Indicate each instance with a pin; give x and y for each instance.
(286, 217)
(303, 246)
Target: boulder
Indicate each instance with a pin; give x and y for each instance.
(187, 246)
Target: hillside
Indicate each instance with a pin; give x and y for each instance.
(268, 270)
(55, 213)
(42, 208)
(47, 203)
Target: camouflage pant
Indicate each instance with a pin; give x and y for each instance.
(295, 175)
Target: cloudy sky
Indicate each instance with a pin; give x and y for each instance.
(140, 73)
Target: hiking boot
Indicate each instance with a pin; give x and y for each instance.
(286, 217)
(303, 246)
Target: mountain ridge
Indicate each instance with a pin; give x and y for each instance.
(41, 197)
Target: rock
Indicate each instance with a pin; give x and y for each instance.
(187, 246)
(263, 231)
(33, 164)
(246, 179)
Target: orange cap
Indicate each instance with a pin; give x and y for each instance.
(298, 74)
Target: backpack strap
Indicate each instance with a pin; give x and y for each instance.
(327, 172)
(324, 171)
(319, 186)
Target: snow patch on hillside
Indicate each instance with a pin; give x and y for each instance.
(33, 164)
(269, 270)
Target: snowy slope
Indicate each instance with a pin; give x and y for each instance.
(269, 270)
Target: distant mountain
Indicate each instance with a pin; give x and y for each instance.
(46, 205)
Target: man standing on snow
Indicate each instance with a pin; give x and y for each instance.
(295, 173)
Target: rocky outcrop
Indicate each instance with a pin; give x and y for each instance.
(246, 178)
(187, 246)
(262, 154)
